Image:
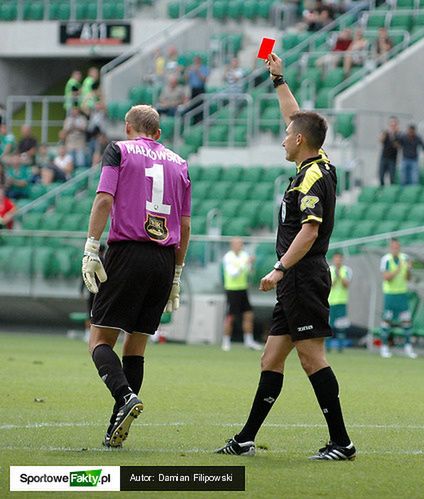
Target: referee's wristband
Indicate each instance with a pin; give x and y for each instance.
(279, 81)
(279, 266)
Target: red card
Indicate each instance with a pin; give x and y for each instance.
(266, 48)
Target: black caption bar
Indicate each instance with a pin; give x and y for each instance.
(182, 478)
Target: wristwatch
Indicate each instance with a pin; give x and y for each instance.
(279, 266)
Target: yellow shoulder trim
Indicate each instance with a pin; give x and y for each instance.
(312, 175)
(312, 217)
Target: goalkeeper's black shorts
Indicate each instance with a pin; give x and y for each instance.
(302, 309)
(139, 281)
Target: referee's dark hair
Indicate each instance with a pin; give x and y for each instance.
(143, 119)
(312, 126)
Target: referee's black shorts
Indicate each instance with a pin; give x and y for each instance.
(237, 302)
(302, 308)
(139, 281)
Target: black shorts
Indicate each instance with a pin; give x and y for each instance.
(237, 302)
(139, 281)
(302, 308)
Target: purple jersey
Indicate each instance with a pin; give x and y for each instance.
(151, 191)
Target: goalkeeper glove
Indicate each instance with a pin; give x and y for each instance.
(92, 265)
(174, 297)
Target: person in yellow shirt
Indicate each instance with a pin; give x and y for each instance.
(396, 269)
(237, 266)
(341, 276)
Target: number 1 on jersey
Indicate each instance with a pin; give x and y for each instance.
(156, 205)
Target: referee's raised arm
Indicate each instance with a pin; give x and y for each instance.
(288, 103)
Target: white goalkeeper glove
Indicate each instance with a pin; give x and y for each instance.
(174, 297)
(92, 265)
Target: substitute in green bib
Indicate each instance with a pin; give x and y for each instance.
(396, 270)
(237, 265)
(341, 276)
(72, 91)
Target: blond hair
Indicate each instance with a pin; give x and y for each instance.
(143, 119)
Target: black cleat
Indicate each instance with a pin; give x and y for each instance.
(132, 408)
(234, 448)
(334, 452)
(106, 442)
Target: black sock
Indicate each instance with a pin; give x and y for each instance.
(110, 370)
(326, 389)
(133, 366)
(269, 388)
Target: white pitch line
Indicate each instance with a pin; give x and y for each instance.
(221, 425)
(198, 451)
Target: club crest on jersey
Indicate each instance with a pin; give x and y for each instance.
(308, 202)
(156, 228)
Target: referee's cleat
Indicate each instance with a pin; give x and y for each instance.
(106, 442)
(132, 408)
(334, 452)
(234, 448)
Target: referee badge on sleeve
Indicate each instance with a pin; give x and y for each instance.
(308, 202)
(156, 228)
(283, 211)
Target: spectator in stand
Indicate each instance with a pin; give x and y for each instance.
(90, 91)
(318, 16)
(7, 141)
(196, 77)
(28, 144)
(44, 157)
(357, 52)
(18, 177)
(2, 174)
(7, 210)
(172, 97)
(75, 127)
(72, 91)
(409, 143)
(233, 77)
(95, 126)
(102, 141)
(390, 140)
(383, 45)
(172, 66)
(159, 64)
(63, 162)
(342, 43)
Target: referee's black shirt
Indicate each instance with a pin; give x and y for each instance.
(310, 197)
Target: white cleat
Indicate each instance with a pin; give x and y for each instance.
(385, 352)
(253, 345)
(409, 352)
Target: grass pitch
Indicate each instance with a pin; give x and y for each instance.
(54, 410)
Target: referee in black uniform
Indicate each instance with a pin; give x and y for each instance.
(302, 278)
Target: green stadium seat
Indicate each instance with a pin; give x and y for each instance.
(198, 225)
(343, 229)
(235, 9)
(52, 221)
(195, 173)
(389, 194)
(416, 214)
(313, 75)
(33, 11)
(410, 194)
(32, 221)
(345, 124)
(91, 12)
(265, 249)
(219, 9)
(236, 227)
(81, 11)
(8, 11)
(401, 21)
(263, 191)
(206, 205)
(271, 120)
(368, 193)
(201, 189)
(174, 10)
(74, 222)
(6, 255)
(252, 174)
(341, 210)
(68, 260)
(405, 4)
(212, 173)
(356, 211)
(231, 208)
(386, 226)
(194, 137)
(251, 210)
(219, 191)
(196, 253)
(16, 241)
(37, 190)
(376, 211)
(250, 9)
(363, 229)
(21, 262)
(324, 98)
(65, 204)
(83, 205)
(333, 78)
(265, 217)
(232, 174)
(108, 10)
(218, 135)
(240, 191)
(63, 12)
(418, 21)
(234, 41)
(167, 124)
(45, 262)
(376, 19)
